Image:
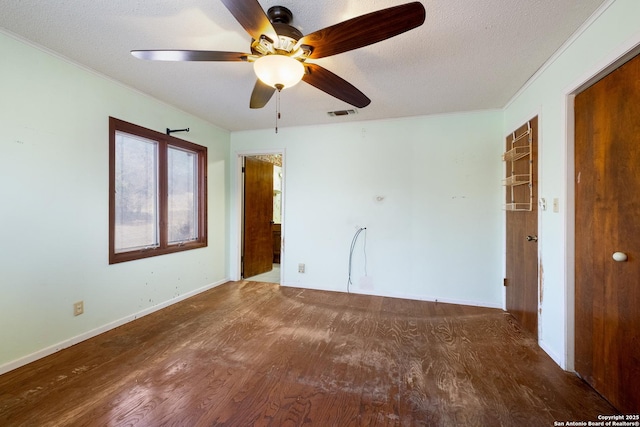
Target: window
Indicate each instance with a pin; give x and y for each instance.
(157, 193)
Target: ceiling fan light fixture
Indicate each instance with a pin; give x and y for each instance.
(279, 71)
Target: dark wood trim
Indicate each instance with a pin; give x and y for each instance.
(203, 176)
(164, 142)
(112, 193)
(163, 190)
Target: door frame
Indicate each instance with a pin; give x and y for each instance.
(237, 212)
(606, 65)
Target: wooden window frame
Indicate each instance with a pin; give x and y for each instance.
(164, 142)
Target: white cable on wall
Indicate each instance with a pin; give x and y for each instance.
(353, 245)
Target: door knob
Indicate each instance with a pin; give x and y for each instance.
(620, 256)
(532, 238)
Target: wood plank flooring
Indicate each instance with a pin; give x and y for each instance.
(257, 354)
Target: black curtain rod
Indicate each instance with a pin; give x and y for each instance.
(170, 131)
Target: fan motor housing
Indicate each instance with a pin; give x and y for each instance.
(280, 14)
(288, 35)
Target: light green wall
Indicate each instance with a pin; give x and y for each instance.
(54, 206)
(613, 32)
(427, 189)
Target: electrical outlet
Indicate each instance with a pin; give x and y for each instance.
(300, 268)
(78, 308)
(543, 204)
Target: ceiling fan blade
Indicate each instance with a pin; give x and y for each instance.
(189, 55)
(251, 16)
(261, 94)
(326, 81)
(365, 30)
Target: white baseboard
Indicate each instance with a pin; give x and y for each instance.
(404, 296)
(556, 358)
(9, 366)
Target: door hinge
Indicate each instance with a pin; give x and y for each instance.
(505, 282)
(243, 169)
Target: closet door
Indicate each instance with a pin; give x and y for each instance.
(607, 188)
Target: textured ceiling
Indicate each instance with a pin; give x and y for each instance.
(468, 55)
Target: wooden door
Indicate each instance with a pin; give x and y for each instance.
(258, 217)
(607, 189)
(522, 232)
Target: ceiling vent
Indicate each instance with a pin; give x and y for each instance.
(342, 113)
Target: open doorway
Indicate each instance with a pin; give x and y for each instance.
(262, 217)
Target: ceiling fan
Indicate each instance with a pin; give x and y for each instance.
(280, 51)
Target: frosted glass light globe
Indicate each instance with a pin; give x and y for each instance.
(276, 70)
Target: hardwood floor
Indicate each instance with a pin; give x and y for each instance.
(257, 354)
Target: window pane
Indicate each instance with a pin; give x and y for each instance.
(136, 186)
(182, 197)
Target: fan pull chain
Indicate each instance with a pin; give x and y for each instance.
(279, 88)
(277, 109)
